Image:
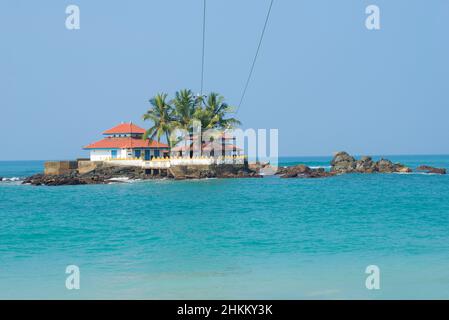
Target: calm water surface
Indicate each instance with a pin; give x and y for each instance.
(231, 238)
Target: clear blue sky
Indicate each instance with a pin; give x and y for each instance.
(324, 80)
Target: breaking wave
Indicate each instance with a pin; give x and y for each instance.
(13, 179)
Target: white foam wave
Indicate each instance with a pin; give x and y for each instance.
(320, 167)
(122, 180)
(13, 179)
(420, 173)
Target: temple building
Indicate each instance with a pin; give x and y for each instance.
(124, 141)
(223, 145)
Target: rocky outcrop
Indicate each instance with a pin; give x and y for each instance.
(240, 174)
(365, 164)
(344, 163)
(107, 174)
(303, 171)
(402, 169)
(101, 175)
(385, 166)
(212, 171)
(54, 180)
(429, 169)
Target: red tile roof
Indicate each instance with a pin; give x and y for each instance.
(125, 128)
(125, 143)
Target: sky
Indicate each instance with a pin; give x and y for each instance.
(324, 80)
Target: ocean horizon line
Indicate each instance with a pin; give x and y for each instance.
(282, 156)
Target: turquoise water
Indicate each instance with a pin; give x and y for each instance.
(234, 238)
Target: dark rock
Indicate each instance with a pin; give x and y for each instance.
(239, 174)
(320, 173)
(385, 166)
(302, 171)
(343, 163)
(53, 180)
(402, 169)
(429, 169)
(365, 165)
(281, 170)
(108, 174)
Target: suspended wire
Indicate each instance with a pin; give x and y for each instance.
(255, 56)
(204, 41)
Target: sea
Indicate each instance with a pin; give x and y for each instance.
(266, 238)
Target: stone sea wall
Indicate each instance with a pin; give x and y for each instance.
(59, 167)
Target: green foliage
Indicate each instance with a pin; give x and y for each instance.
(179, 113)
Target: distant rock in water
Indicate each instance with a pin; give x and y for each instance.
(386, 166)
(429, 169)
(365, 164)
(344, 163)
(302, 171)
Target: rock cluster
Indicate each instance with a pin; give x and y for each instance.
(53, 180)
(429, 169)
(108, 174)
(207, 174)
(101, 175)
(303, 171)
(344, 163)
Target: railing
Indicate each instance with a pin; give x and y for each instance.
(162, 163)
(207, 160)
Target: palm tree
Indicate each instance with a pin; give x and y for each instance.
(181, 112)
(213, 115)
(184, 105)
(161, 114)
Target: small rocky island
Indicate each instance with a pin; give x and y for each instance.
(87, 172)
(343, 163)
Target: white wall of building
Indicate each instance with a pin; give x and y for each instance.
(122, 154)
(100, 154)
(105, 154)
